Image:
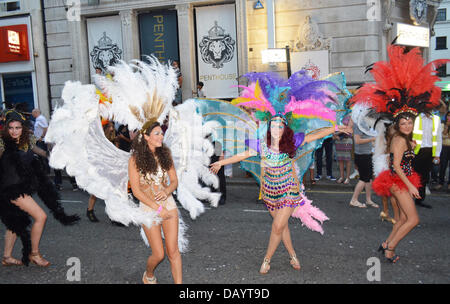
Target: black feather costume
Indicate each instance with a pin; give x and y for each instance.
(21, 173)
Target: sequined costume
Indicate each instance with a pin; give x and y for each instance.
(385, 180)
(153, 183)
(280, 187)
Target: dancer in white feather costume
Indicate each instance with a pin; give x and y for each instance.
(137, 92)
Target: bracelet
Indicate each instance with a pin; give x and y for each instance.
(159, 209)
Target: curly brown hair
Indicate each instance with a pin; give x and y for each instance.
(24, 139)
(145, 158)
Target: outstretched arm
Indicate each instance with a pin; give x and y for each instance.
(326, 132)
(215, 167)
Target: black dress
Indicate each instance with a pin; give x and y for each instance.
(21, 173)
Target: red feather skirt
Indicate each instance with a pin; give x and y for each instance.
(385, 180)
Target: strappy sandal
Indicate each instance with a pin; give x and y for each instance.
(10, 261)
(295, 263)
(265, 267)
(41, 262)
(382, 248)
(394, 258)
(147, 280)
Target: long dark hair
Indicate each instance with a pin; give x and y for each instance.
(287, 144)
(408, 138)
(145, 159)
(24, 139)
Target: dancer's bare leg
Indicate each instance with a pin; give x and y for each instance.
(279, 224)
(408, 209)
(170, 228)
(27, 204)
(154, 238)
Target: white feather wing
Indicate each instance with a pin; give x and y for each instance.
(97, 165)
(191, 152)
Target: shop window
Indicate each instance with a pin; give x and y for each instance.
(441, 43)
(9, 5)
(18, 91)
(441, 14)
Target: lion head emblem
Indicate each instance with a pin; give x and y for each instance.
(105, 54)
(217, 48)
(418, 11)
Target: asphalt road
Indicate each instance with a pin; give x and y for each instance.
(228, 243)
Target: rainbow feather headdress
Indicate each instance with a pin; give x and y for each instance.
(293, 99)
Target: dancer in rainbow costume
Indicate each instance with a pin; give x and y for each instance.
(293, 118)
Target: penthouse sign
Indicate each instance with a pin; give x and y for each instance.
(216, 49)
(159, 34)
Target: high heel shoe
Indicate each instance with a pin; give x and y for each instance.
(394, 258)
(265, 267)
(91, 216)
(36, 258)
(295, 262)
(147, 280)
(385, 217)
(382, 248)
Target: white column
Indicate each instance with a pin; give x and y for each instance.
(130, 35)
(186, 44)
(241, 36)
(80, 53)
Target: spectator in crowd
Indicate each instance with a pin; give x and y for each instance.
(201, 90)
(445, 153)
(428, 136)
(344, 145)
(439, 111)
(40, 129)
(123, 135)
(219, 155)
(363, 161)
(328, 146)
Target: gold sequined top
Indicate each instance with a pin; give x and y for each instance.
(153, 183)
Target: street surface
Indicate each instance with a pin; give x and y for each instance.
(228, 243)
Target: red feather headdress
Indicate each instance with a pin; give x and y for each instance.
(402, 84)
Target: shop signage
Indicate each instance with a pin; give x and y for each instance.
(412, 35)
(14, 43)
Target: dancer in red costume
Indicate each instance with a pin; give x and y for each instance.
(403, 88)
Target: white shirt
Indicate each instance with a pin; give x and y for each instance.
(39, 126)
(427, 137)
(201, 93)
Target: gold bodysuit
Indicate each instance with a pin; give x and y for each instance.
(153, 183)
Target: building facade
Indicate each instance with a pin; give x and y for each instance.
(218, 41)
(23, 61)
(439, 47)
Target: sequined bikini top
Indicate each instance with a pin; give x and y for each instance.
(406, 163)
(157, 178)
